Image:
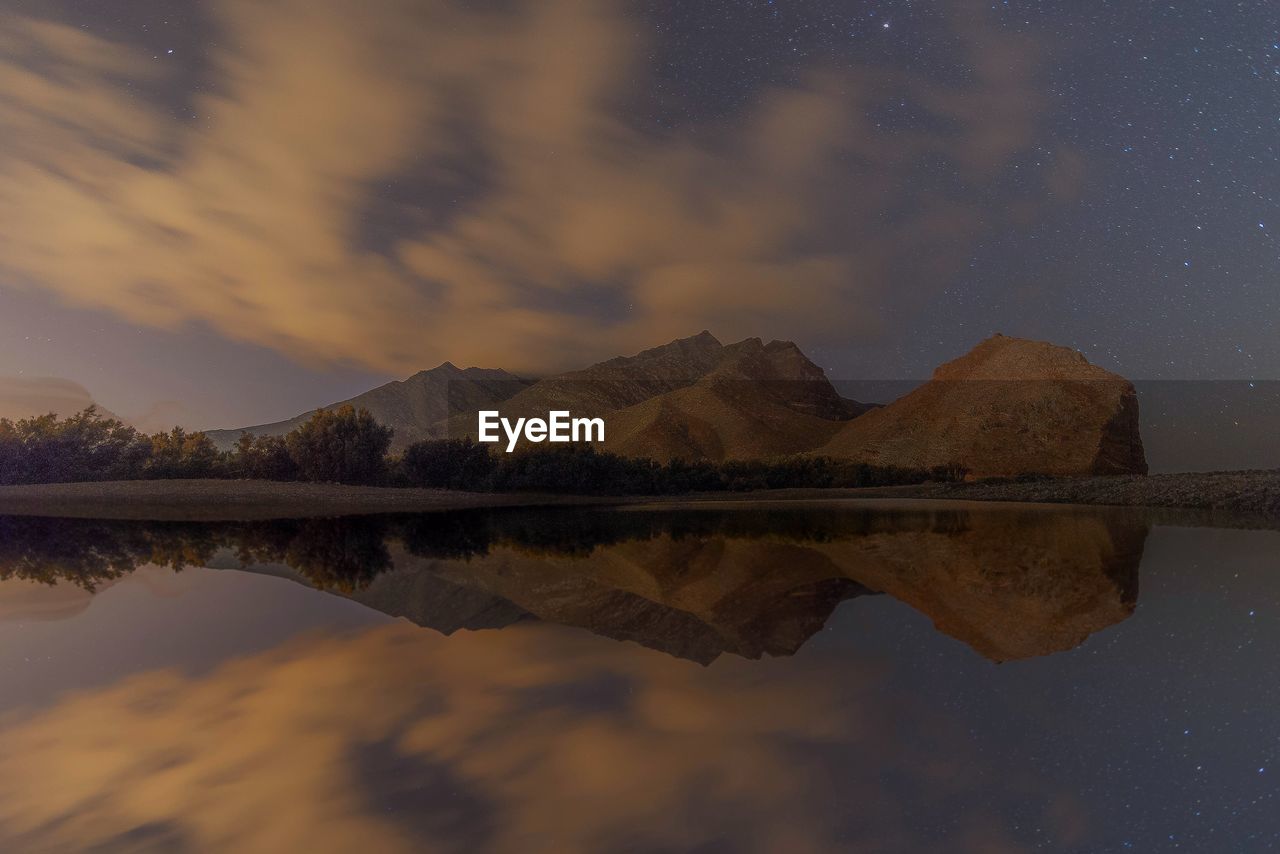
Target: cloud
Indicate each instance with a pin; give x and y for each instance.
(24, 397)
(531, 739)
(554, 228)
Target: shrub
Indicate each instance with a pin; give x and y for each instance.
(262, 458)
(84, 446)
(342, 446)
(447, 464)
(179, 454)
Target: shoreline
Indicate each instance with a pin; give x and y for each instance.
(1241, 494)
(1247, 493)
(249, 500)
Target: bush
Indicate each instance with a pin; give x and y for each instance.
(581, 469)
(341, 446)
(179, 454)
(85, 446)
(262, 458)
(447, 464)
(576, 469)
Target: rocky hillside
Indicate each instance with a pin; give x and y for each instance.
(695, 398)
(758, 400)
(416, 408)
(1010, 406)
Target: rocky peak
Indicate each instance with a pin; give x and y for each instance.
(1010, 406)
(1001, 357)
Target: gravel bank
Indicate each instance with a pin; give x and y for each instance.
(1249, 493)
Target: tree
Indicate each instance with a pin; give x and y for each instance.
(179, 454)
(262, 458)
(84, 446)
(447, 464)
(342, 446)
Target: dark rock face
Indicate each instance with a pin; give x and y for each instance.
(1120, 449)
(1008, 407)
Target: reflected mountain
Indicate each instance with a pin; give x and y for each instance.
(696, 582)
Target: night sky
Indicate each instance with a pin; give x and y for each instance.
(254, 208)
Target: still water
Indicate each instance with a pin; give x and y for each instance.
(786, 678)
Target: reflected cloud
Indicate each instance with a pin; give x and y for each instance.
(532, 739)
(22, 601)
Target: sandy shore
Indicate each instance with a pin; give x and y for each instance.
(1251, 494)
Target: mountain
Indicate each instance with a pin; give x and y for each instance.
(757, 400)
(416, 408)
(695, 398)
(620, 382)
(1010, 406)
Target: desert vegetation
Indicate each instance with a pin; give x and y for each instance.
(349, 446)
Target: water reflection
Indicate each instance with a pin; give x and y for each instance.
(529, 740)
(1012, 583)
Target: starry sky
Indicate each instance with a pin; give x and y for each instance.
(251, 208)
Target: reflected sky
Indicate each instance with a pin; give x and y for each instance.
(217, 709)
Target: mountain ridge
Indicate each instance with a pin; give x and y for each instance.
(414, 407)
(1009, 406)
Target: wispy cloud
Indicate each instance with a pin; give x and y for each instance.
(579, 233)
(23, 397)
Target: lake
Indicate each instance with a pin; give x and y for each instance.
(804, 676)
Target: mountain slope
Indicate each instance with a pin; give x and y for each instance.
(415, 407)
(1010, 406)
(608, 386)
(695, 399)
(759, 400)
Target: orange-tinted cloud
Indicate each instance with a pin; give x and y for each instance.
(24, 397)
(530, 739)
(586, 234)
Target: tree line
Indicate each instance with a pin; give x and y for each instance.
(339, 446)
(348, 445)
